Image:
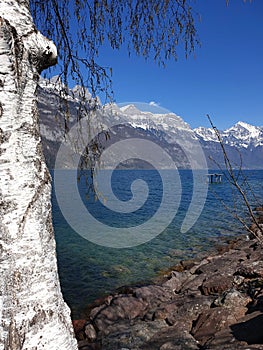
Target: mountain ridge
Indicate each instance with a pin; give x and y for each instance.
(166, 129)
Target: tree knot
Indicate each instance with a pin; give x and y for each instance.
(43, 52)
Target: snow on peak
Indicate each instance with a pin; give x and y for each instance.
(244, 125)
(254, 131)
(55, 85)
(241, 135)
(207, 134)
(165, 121)
(130, 109)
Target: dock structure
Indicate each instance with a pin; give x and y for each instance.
(214, 178)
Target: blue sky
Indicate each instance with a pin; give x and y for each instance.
(224, 79)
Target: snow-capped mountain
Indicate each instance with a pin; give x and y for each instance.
(244, 135)
(167, 130)
(243, 143)
(168, 122)
(241, 135)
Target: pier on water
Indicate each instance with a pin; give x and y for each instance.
(214, 178)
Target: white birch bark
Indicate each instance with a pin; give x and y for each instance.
(33, 314)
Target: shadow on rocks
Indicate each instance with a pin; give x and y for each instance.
(250, 331)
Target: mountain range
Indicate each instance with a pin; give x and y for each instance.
(243, 142)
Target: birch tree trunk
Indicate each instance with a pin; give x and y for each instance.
(33, 314)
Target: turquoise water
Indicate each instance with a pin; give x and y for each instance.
(88, 271)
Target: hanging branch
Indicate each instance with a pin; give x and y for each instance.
(151, 29)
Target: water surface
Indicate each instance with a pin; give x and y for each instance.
(88, 271)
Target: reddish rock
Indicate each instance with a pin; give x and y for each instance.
(183, 310)
(225, 264)
(153, 294)
(94, 312)
(232, 307)
(78, 326)
(166, 312)
(129, 307)
(176, 280)
(161, 316)
(250, 269)
(211, 322)
(233, 300)
(245, 334)
(122, 307)
(172, 338)
(192, 284)
(90, 332)
(216, 284)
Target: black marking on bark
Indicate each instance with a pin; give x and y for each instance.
(15, 44)
(30, 129)
(1, 110)
(39, 318)
(6, 206)
(37, 163)
(18, 51)
(4, 136)
(32, 204)
(17, 47)
(14, 342)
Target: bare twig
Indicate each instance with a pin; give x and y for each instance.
(234, 178)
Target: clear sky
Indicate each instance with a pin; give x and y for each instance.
(224, 79)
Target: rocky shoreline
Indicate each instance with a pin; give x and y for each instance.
(214, 302)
